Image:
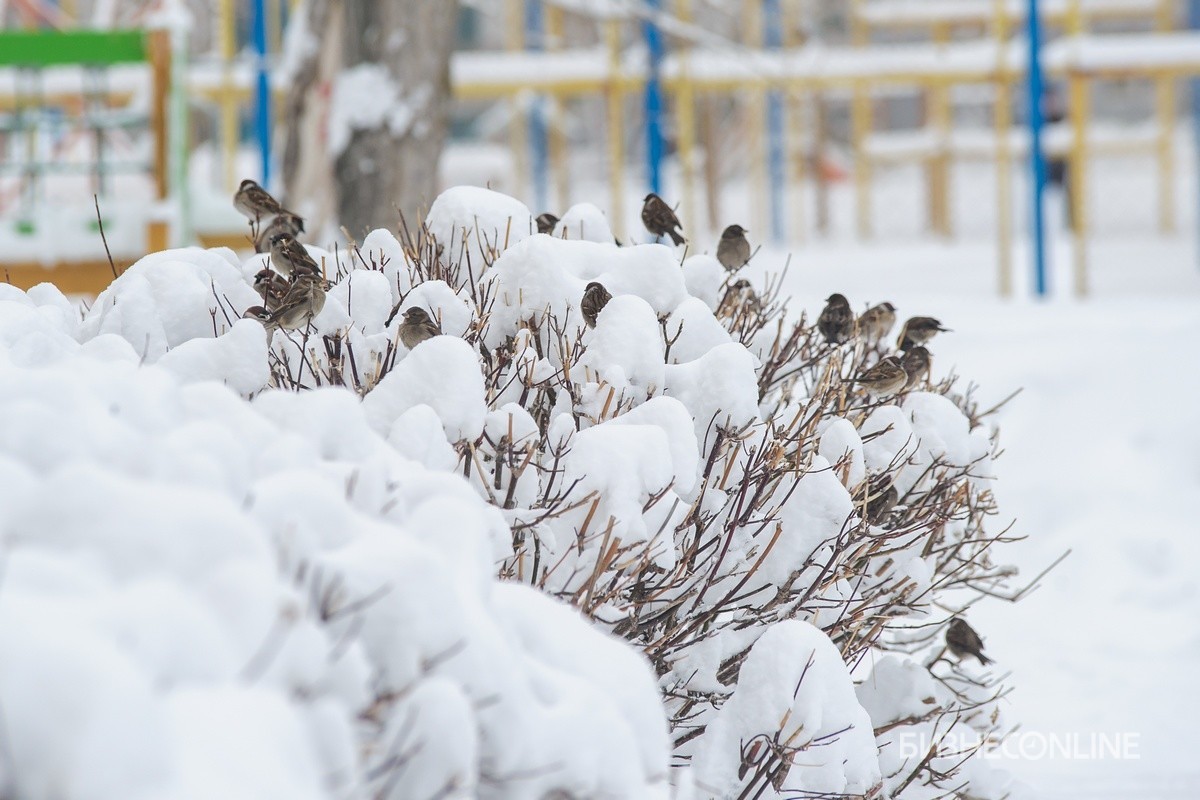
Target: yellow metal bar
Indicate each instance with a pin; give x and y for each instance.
(615, 100)
(860, 128)
(860, 31)
(939, 164)
(1164, 92)
(756, 111)
(685, 119)
(1078, 90)
(795, 124)
(558, 124)
(518, 131)
(227, 96)
(1002, 113)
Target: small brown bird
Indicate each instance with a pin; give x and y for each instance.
(304, 300)
(733, 251)
(546, 223)
(885, 378)
(738, 297)
(660, 220)
(271, 287)
(284, 222)
(836, 322)
(288, 256)
(595, 298)
(963, 641)
(877, 498)
(916, 363)
(417, 327)
(254, 202)
(257, 313)
(919, 330)
(876, 322)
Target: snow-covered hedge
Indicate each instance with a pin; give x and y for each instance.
(526, 559)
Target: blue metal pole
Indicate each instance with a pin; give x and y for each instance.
(773, 36)
(262, 96)
(1193, 12)
(539, 139)
(1037, 156)
(654, 100)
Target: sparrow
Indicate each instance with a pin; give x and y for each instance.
(836, 322)
(918, 330)
(546, 223)
(878, 497)
(304, 300)
(595, 298)
(885, 378)
(916, 363)
(877, 321)
(733, 251)
(271, 287)
(738, 296)
(255, 202)
(963, 641)
(417, 327)
(288, 256)
(284, 222)
(257, 313)
(660, 220)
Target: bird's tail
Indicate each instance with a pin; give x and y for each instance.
(983, 660)
(676, 238)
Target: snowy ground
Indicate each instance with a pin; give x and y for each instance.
(1102, 460)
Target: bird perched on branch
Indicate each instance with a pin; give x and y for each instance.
(876, 322)
(254, 202)
(963, 641)
(878, 497)
(304, 300)
(417, 327)
(595, 298)
(257, 313)
(271, 287)
(885, 378)
(916, 363)
(546, 223)
(284, 222)
(288, 256)
(739, 296)
(919, 330)
(836, 322)
(733, 251)
(660, 220)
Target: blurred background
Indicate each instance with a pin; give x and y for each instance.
(869, 124)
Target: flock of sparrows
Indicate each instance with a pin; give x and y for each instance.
(893, 373)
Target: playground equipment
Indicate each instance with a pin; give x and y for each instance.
(46, 79)
(656, 70)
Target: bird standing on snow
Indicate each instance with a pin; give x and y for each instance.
(595, 298)
(660, 220)
(916, 363)
(885, 378)
(919, 330)
(417, 327)
(288, 256)
(836, 322)
(304, 300)
(546, 223)
(284, 222)
(876, 322)
(733, 251)
(963, 641)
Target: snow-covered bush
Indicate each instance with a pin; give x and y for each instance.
(350, 570)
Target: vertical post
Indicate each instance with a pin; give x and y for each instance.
(1078, 89)
(773, 35)
(756, 118)
(558, 137)
(654, 104)
(1164, 96)
(616, 128)
(939, 164)
(1002, 114)
(159, 47)
(537, 113)
(685, 118)
(518, 131)
(228, 97)
(1037, 158)
(860, 128)
(262, 93)
(796, 151)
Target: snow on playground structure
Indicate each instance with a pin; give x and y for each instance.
(216, 585)
(778, 73)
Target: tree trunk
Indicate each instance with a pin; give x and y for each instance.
(367, 114)
(395, 97)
